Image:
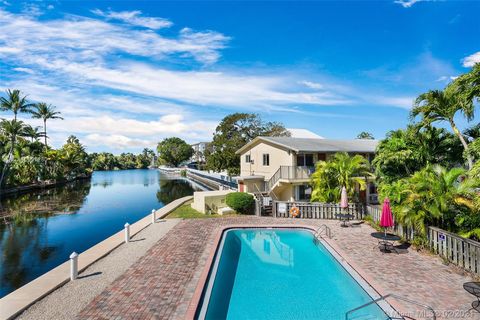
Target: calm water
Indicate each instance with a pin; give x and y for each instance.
(283, 274)
(51, 224)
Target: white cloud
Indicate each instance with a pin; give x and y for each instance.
(25, 70)
(134, 18)
(89, 68)
(409, 3)
(117, 141)
(471, 60)
(398, 102)
(311, 84)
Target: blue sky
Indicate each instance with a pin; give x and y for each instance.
(126, 74)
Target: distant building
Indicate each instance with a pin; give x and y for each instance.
(281, 166)
(303, 133)
(199, 149)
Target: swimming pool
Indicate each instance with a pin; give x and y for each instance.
(280, 274)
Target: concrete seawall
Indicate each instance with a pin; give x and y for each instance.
(20, 299)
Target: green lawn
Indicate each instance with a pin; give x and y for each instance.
(187, 212)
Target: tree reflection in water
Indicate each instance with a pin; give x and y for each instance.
(171, 189)
(22, 230)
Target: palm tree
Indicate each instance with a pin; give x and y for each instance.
(342, 170)
(469, 84)
(15, 102)
(432, 193)
(33, 133)
(11, 129)
(437, 105)
(45, 111)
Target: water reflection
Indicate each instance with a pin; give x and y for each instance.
(46, 226)
(173, 189)
(269, 247)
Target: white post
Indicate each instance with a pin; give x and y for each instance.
(127, 232)
(153, 216)
(73, 266)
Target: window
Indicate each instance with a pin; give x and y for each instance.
(304, 192)
(266, 159)
(247, 158)
(309, 160)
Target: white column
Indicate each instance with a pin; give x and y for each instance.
(127, 232)
(73, 266)
(153, 216)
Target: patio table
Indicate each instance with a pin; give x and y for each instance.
(386, 240)
(344, 217)
(474, 289)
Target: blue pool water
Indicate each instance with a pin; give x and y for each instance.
(282, 274)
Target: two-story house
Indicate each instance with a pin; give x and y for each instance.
(281, 166)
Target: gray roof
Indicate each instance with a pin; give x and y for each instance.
(317, 145)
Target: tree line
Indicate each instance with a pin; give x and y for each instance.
(25, 159)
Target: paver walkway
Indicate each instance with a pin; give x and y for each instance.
(161, 284)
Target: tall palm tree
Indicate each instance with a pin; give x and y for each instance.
(15, 102)
(437, 105)
(468, 84)
(45, 112)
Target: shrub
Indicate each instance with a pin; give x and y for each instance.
(241, 202)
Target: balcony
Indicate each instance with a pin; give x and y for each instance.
(290, 174)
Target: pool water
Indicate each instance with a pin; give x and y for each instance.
(281, 274)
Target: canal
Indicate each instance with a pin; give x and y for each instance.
(48, 225)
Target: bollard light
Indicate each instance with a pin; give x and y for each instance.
(127, 232)
(153, 216)
(73, 266)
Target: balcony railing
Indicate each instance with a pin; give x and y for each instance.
(289, 173)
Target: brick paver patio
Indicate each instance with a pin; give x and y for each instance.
(162, 283)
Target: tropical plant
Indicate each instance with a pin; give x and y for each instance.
(403, 152)
(15, 102)
(11, 129)
(431, 196)
(469, 84)
(442, 106)
(365, 135)
(174, 151)
(45, 112)
(233, 132)
(33, 133)
(342, 170)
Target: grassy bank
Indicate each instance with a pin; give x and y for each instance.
(187, 212)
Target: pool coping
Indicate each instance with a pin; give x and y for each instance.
(344, 260)
(17, 301)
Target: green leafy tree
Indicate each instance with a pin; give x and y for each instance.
(104, 161)
(12, 130)
(365, 135)
(233, 132)
(174, 151)
(342, 170)
(15, 102)
(431, 196)
(403, 152)
(442, 106)
(74, 158)
(45, 112)
(469, 84)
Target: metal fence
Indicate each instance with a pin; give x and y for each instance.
(317, 210)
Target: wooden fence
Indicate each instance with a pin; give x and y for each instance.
(457, 250)
(462, 252)
(317, 210)
(376, 212)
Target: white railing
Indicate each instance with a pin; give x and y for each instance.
(317, 210)
(289, 173)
